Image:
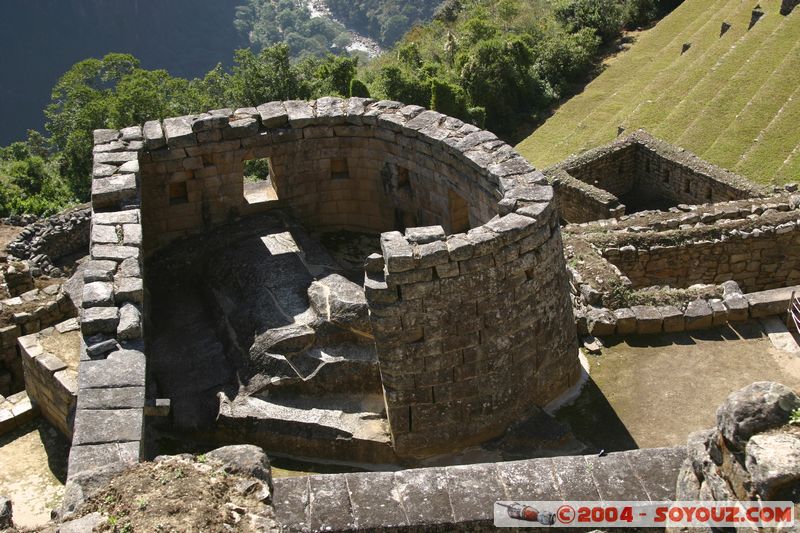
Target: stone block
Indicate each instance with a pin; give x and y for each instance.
(698, 315)
(104, 234)
(99, 320)
(615, 478)
(771, 302)
(299, 112)
(93, 456)
(372, 501)
(178, 131)
(128, 216)
(108, 426)
(130, 322)
(626, 321)
(113, 398)
(661, 466)
(103, 136)
(98, 294)
(473, 490)
(719, 313)
(154, 135)
(132, 234)
(459, 247)
(122, 368)
(532, 479)
(290, 500)
(330, 110)
(424, 235)
(423, 494)
(648, 319)
(397, 252)
(329, 504)
(117, 253)
(273, 114)
(672, 319)
(129, 290)
(113, 190)
(50, 363)
(738, 307)
(245, 127)
(431, 254)
(601, 322)
(24, 411)
(574, 478)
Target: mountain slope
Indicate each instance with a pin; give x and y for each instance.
(733, 99)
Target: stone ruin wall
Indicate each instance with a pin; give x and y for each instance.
(580, 202)
(51, 239)
(647, 167)
(761, 261)
(472, 329)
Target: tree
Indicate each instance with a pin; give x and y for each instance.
(265, 77)
(357, 88)
(603, 16)
(448, 99)
(497, 76)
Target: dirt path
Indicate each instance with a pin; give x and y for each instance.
(33, 467)
(653, 391)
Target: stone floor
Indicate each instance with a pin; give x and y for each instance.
(33, 469)
(652, 391)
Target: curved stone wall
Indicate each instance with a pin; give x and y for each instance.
(469, 304)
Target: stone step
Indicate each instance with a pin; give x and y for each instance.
(779, 335)
(344, 428)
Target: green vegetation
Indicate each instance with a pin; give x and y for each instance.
(502, 62)
(384, 20)
(732, 99)
(265, 23)
(495, 63)
(44, 175)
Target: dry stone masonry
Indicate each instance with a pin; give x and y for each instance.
(642, 173)
(468, 301)
(751, 454)
(48, 240)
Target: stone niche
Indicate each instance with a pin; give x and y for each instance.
(640, 173)
(468, 300)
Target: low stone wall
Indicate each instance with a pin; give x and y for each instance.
(25, 314)
(461, 498)
(109, 417)
(694, 315)
(47, 240)
(51, 380)
(16, 410)
(578, 201)
(757, 258)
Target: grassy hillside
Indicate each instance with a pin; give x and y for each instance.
(733, 100)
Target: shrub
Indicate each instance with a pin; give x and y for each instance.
(603, 16)
(358, 88)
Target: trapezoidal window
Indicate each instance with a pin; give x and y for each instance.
(259, 181)
(339, 170)
(178, 193)
(403, 178)
(459, 213)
